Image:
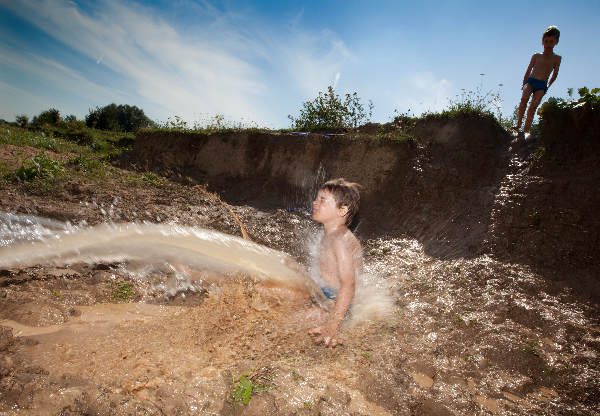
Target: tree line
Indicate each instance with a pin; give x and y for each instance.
(113, 117)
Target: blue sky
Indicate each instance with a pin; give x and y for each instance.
(257, 61)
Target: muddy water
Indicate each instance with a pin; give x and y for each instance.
(466, 337)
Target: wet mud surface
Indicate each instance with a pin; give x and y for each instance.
(476, 334)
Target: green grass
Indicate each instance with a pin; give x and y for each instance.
(89, 166)
(396, 136)
(39, 167)
(57, 294)
(530, 347)
(90, 159)
(145, 179)
(122, 292)
(245, 386)
(68, 139)
(5, 170)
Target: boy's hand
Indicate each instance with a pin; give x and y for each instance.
(328, 335)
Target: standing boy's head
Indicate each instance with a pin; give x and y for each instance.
(337, 197)
(551, 31)
(550, 37)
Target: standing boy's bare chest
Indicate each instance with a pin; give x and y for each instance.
(545, 63)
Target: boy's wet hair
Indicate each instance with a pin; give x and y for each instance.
(551, 31)
(345, 194)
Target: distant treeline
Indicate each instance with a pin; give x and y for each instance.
(113, 117)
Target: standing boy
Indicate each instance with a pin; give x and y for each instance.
(340, 257)
(535, 82)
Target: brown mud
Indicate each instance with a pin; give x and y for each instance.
(495, 309)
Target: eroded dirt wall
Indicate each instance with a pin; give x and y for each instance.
(439, 186)
(550, 216)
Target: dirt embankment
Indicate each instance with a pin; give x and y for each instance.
(549, 213)
(436, 186)
(462, 186)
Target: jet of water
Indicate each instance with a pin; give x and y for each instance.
(41, 241)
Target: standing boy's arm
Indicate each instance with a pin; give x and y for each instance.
(529, 68)
(346, 272)
(554, 72)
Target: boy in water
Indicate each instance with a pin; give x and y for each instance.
(535, 82)
(340, 257)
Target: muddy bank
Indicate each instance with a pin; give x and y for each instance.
(547, 208)
(461, 186)
(434, 181)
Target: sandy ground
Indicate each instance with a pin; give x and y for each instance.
(468, 336)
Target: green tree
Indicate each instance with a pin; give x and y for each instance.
(22, 120)
(50, 116)
(118, 118)
(329, 111)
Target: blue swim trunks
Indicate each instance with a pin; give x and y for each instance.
(537, 84)
(329, 292)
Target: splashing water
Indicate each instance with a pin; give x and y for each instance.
(29, 240)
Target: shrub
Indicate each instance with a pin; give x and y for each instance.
(70, 118)
(245, 387)
(586, 97)
(330, 112)
(40, 166)
(118, 118)
(22, 120)
(476, 102)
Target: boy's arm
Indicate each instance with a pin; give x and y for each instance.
(529, 68)
(554, 71)
(346, 272)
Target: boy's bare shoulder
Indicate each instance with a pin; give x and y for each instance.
(348, 240)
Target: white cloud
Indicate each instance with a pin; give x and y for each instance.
(314, 60)
(336, 79)
(70, 82)
(421, 92)
(216, 69)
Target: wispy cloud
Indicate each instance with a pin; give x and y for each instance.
(419, 92)
(220, 69)
(315, 61)
(57, 77)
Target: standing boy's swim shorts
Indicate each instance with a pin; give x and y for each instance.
(537, 84)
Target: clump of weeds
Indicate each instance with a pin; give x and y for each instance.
(122, 292)
(530, 346)
(249, 383)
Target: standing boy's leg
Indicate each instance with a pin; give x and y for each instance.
(527, 90)
(535, 101)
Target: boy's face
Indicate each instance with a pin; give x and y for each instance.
(324, 207)
(549, 42)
